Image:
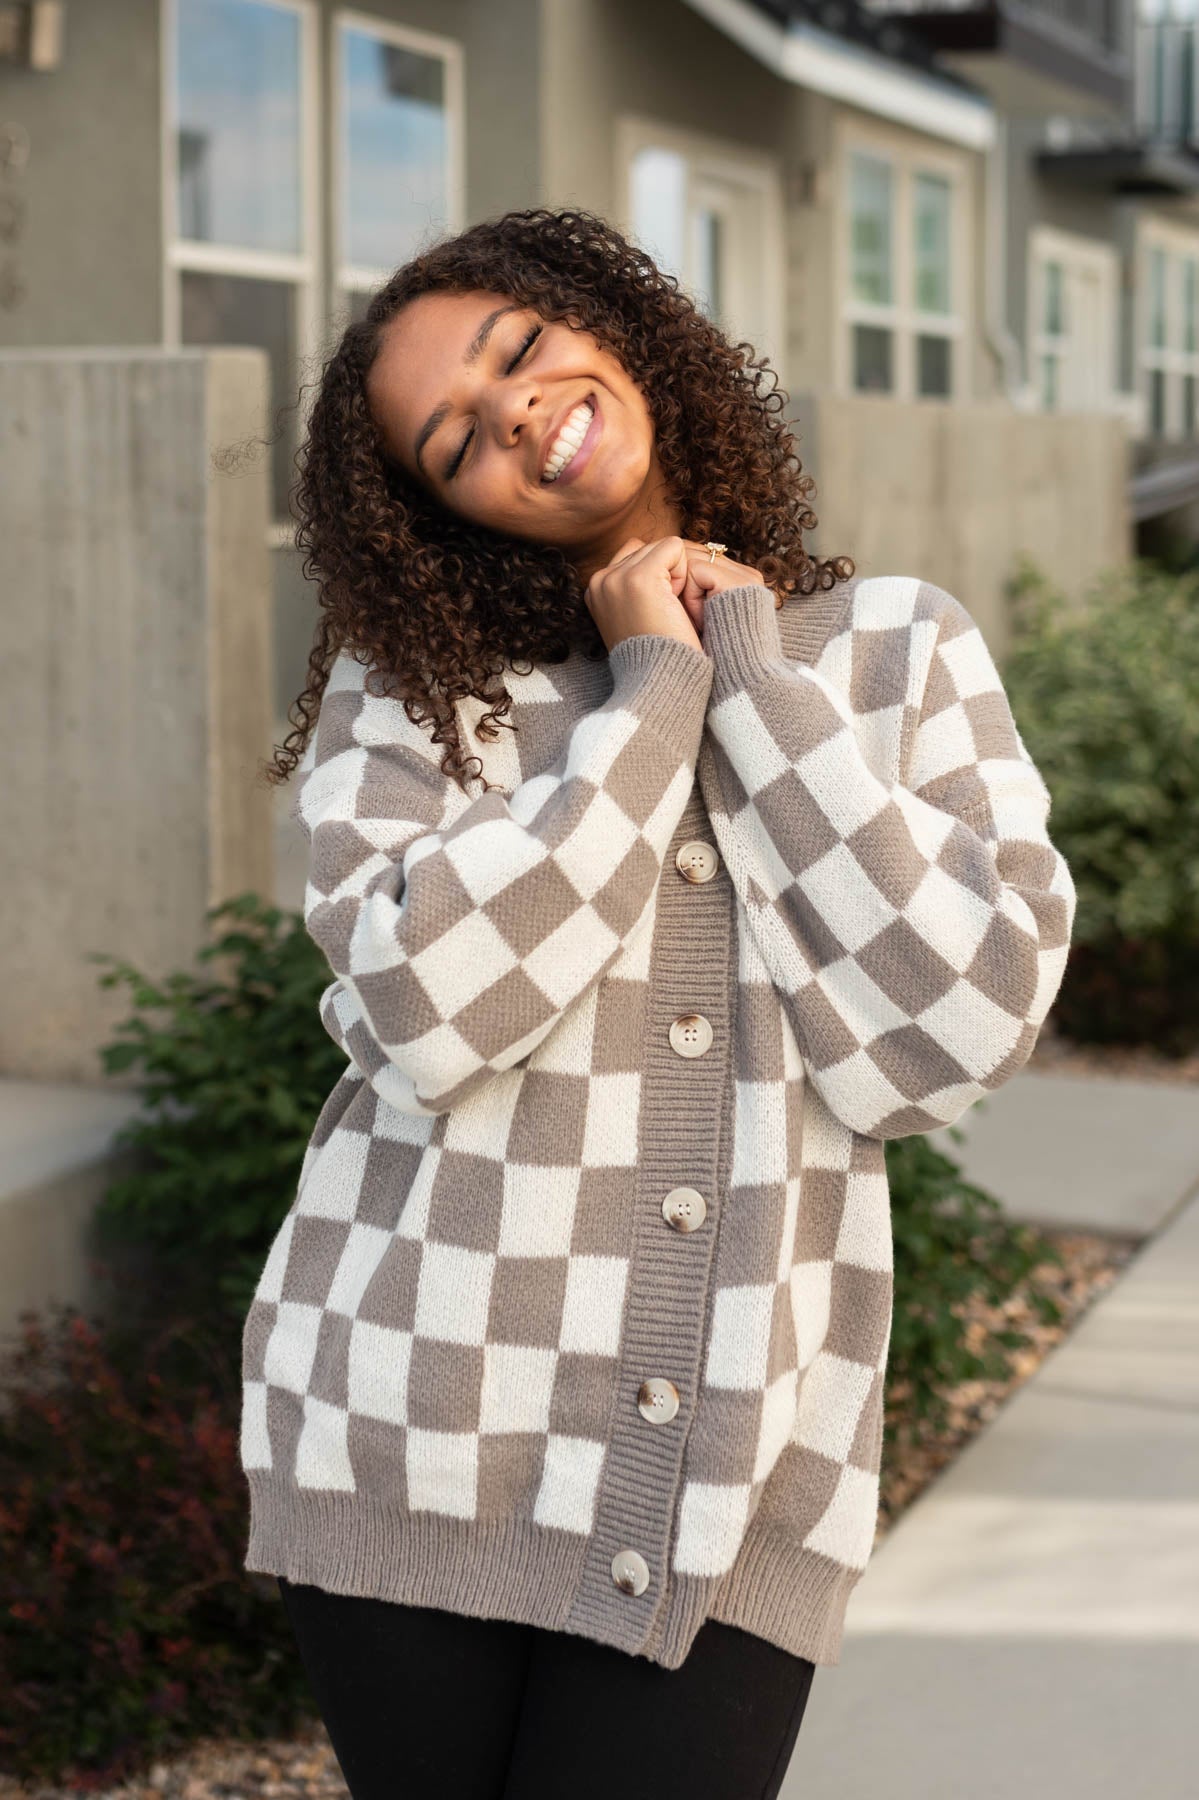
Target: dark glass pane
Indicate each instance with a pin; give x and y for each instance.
(1049, 383)
(236, 309)
(1055, 299)
(1157, 402)
(872, 358)
(1157, 298)
(932, 211)
(933, 367)
(1188, 405)
(707, 254)
(870, 203)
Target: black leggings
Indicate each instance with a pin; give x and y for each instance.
(420, 1702)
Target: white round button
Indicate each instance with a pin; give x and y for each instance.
(658, 1400)
(630, 1572)
(691, 1034)
(697, 861)
(684, 1208)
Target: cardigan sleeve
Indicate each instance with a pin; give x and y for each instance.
(460, 929)
(917, 932)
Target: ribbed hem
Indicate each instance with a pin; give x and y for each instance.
(741, 635)
(794, 1597)
(666, 682)
(348, 1544)
(512, 1569)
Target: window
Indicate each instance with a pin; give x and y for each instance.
(711, 214)
(244, 220)
(1190, 341)
(1157, 340)
(1054, 339)
(241, 188)
(1071, 322)
(1170, 331)
(903, 308)
(398, 131)
(932, 199)
(1166, 62)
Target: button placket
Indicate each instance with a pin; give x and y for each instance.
(638, 1493)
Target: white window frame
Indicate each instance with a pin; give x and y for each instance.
(1173, 361)
(1075, 251)
(300, 270)
(754, 304)
(908, 158)
(349, 279)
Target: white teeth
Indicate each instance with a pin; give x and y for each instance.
(568, 440)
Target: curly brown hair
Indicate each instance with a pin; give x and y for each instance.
(439, 604)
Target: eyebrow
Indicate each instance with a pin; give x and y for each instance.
(473, 352)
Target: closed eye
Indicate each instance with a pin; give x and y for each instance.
(457, 462)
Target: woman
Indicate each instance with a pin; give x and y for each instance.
(564, 1376)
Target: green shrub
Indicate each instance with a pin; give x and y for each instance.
(1104, 695)
(127, 1622)
(953, 1244)
(234, 1067)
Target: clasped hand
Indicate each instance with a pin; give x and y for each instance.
(661, 587)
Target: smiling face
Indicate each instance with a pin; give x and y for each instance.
(471, 392)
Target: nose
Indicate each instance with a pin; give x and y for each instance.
(513, 407)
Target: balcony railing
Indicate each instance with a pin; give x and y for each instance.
(1167, 72)
(1097, 21)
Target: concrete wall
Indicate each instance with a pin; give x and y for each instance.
(135, 694)
(955, 494)
(90, 250)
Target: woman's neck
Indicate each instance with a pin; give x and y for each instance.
(653, 515)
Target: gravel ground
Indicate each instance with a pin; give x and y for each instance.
(301, 1768)
(304, 1767)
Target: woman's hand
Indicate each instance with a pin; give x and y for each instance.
(638, 592)
(706, 575)
(661, 587)
(694, 575)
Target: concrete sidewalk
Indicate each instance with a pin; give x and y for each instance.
(1031, 1624)
(1084, 1152)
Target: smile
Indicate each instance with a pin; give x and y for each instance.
(571, 449)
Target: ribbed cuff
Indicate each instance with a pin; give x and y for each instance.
(741, 635)
(666, 682)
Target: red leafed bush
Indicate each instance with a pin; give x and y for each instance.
(127, 1622)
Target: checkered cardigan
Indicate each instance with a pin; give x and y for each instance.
(445, 1356)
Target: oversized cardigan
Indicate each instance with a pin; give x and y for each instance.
(580, 1315)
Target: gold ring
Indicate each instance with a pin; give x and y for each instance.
(716, 550)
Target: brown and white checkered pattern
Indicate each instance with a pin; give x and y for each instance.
(442, 1322)
(916, 929)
